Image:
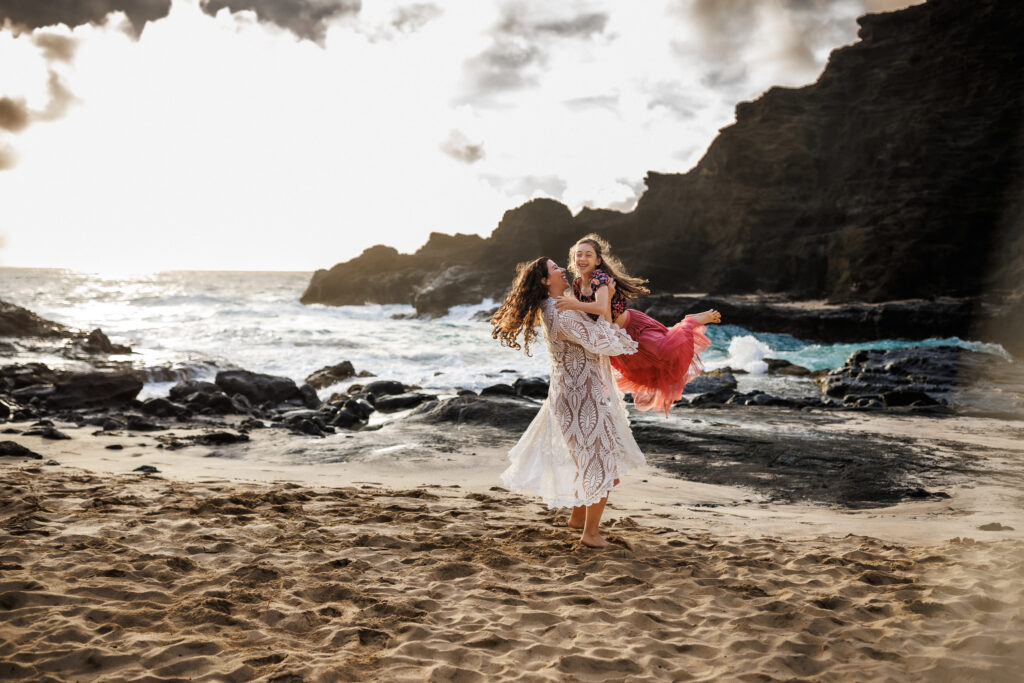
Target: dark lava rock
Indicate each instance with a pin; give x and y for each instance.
(161, 407)
(497, 411)
(711, 382)
(497, 390)
(359, 407)
(331, 374)
(34, 391)
(98, 342)
(252, 423)
(257, 387)
(391, 404)
(721, 396)
(16, 321)
(15, 450)
(94, 389)
(112, 425)
(531, 387)
(309, 397)
(182, 390)
(220, 438)
(911, 376)
(907, 398)
(299, 414)
(347, 419)
(53, 434)
(306, 426)
(777, 366)
(384, 387)
(114, 447)
(147, 469)
(858, 471)
(138, 424)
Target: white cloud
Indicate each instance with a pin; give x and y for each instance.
(222, 141)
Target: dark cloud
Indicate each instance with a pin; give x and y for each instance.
(458, 147)
(305, 18)
(519, 49)
(14, 114)
(584, 25)
(503, 66)
(60, 99)
(410, 18)
(56, 47)
(729, 25)
(34, 14)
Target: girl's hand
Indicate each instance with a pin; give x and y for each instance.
(566, 303)
(611, 286)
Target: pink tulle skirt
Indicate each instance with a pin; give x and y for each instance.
(666, 360)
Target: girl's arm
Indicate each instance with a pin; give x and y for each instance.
(602, 305)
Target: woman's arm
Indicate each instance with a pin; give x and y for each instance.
(598, 337)
(602, 305)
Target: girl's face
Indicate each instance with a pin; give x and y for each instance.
(586, 258)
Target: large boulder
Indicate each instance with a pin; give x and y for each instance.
(257, 387)
(182, 390)
(496, 411)
(396, 402)
(331, 374)
(94, 389)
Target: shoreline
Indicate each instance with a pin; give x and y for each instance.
(976, 464)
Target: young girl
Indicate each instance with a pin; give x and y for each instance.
(667, 358)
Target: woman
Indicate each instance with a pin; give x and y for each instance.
(579, 444)
(666, 358)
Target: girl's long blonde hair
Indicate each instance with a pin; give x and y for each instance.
(629, 286)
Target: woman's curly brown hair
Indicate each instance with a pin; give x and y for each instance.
(625, 284)
(521, 308)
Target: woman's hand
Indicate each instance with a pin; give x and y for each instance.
(611, 286)
(566, 303)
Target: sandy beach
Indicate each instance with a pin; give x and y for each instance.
(402, 560)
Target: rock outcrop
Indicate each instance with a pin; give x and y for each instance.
(898, 174)
(16, 321)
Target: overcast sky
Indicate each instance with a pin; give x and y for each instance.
(291, 134)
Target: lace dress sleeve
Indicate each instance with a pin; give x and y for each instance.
(597, 337)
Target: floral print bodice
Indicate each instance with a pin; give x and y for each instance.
(599, 279)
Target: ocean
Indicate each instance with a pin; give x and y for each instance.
(200, 322)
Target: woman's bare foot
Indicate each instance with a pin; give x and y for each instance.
(708, 317)
(578, 517)
(593, 541)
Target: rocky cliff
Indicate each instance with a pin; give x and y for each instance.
(898, 174)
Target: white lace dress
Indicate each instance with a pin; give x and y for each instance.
(580, 441)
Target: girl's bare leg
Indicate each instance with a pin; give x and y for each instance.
(591, 535)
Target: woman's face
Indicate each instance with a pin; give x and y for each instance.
(586, 258)
(556, 276)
